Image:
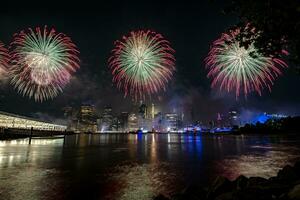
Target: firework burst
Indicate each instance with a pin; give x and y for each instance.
(4, 60)
(42, 62)
(235, 68)
(142, 63)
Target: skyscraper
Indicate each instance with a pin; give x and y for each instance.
(171, 121)
(68, 114)
(143, 116)
(124, 121)
(107, 119)
(87, 119)
(152, 111)
(143, 111)
(132, 122)
(233, 118)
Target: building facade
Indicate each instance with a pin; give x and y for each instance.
(133, 122)
(87, 119)
(8, 120)
(107, 119)
(171, 121)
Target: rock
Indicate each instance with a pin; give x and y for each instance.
(241, 182)
(182, 196)
(225, 196)
(275, 189)
(285, 186)
(297, 182)
(287, 174)
(252, 194)
(195, 191)
(160, 197)
(256, 181)
(297, 165)
(177, 197)
(297, 169)
(219, 186)
(294, 194)
(271, 186)
(273, 179)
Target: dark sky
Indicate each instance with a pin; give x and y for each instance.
(190, 27)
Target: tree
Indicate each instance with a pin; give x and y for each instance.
(277, 23)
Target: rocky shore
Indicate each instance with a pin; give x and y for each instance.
(284, 186)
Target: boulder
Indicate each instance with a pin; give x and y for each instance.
(256, 181)
(195, 191)
(271, 186)
(225, 196)
(160, 197)
(252, 194)
(287, 174)
(297, 165)
(273, 179)
(241, 182)
(220, 185)
(178, 196)
(294, 193)
(297, 169)
(182, 196)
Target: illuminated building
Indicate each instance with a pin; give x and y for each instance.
(221, 121)
(132, 122)
(124, 121)
(70, 115)
(158, 121)
(107, 119)
(152, 111)
(171, 121)
(143, 111)
(87, 119)
(143, 120)
(233, 118)
(8, 120)
(116, 124)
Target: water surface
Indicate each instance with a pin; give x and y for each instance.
(121, 166)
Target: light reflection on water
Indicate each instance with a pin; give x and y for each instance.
(15, 152)
(120, 166)
(265, 164)
(141, 181)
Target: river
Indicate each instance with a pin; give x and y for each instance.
(129, 167)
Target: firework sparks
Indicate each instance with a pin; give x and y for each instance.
(235, 68)
(42, 63)
(142, 63)
(4, 60)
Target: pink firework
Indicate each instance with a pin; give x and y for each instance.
(4, 60)
(235, 68)
(43, 62)
(142, 63)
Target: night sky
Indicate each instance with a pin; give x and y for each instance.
(190, 28)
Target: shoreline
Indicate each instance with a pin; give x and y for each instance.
(284, 186)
